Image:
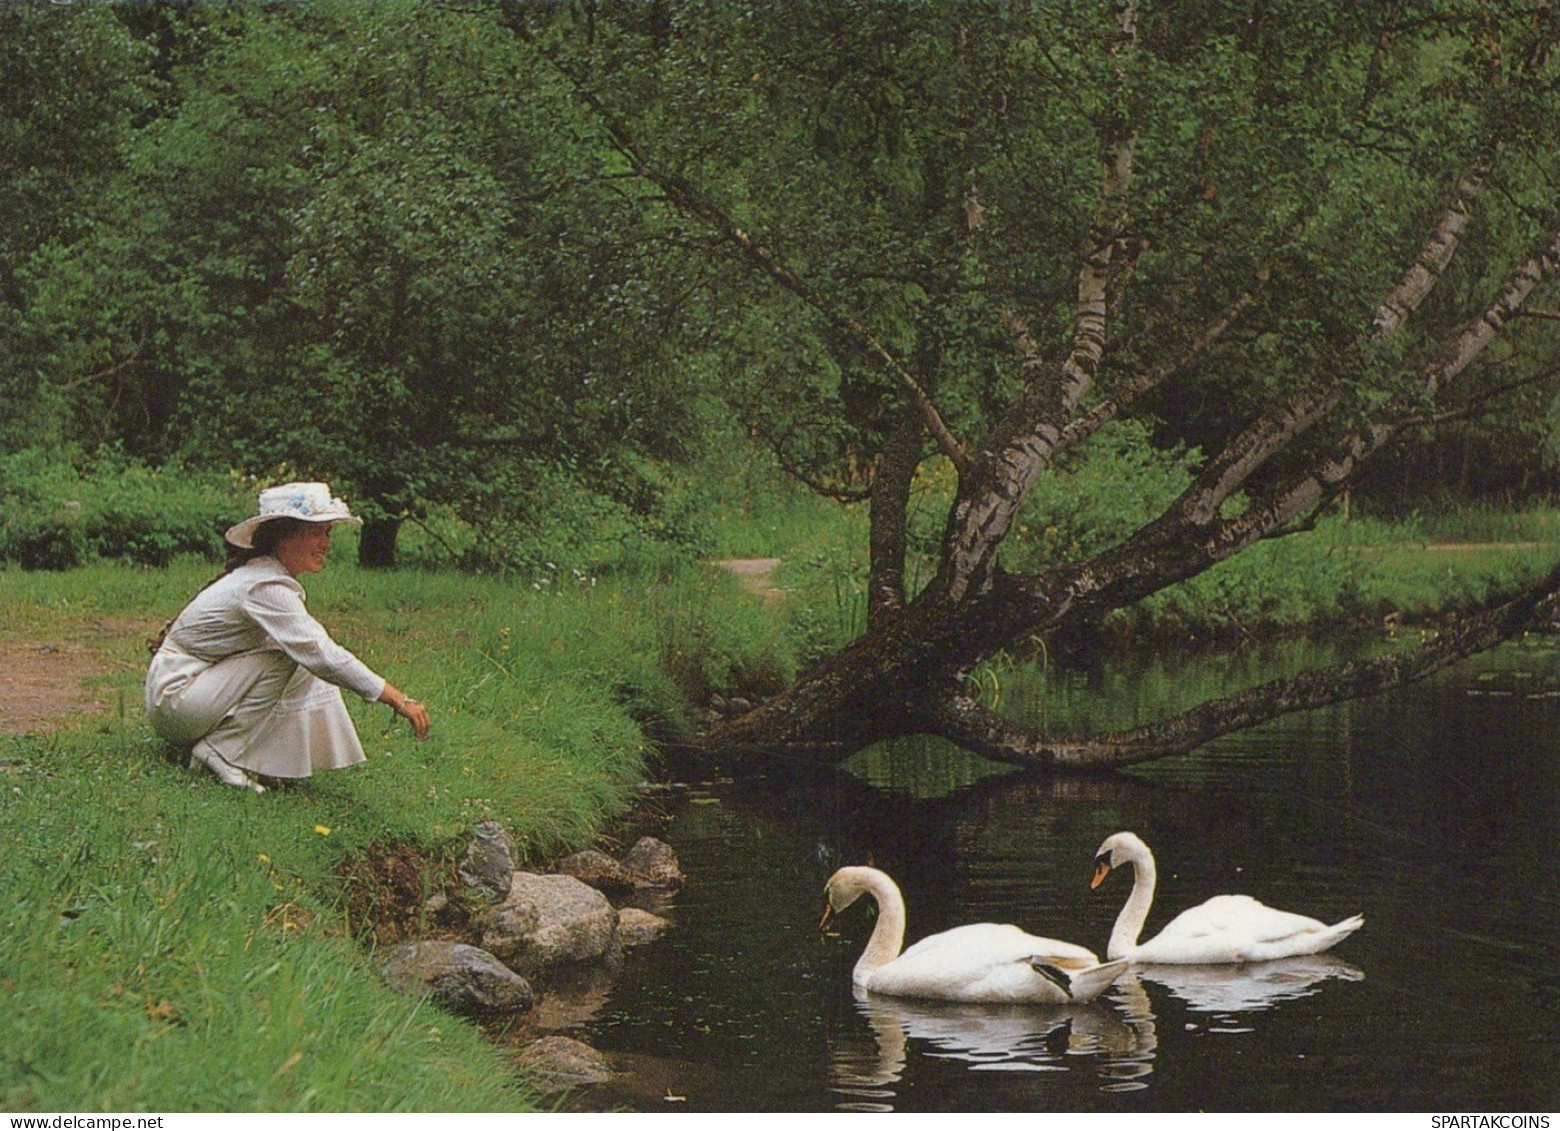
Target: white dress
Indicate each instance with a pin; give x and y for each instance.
(247, 671)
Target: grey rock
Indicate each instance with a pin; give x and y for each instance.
(563, 1062)
(637, 926)
(489, 862)
(550, 920)
(652, 863)
(598, 870)
(459, 977)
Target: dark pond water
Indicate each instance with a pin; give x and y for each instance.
(1433, 811)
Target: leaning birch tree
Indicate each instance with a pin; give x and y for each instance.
(1229, 157)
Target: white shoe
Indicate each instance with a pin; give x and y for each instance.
(225, 771)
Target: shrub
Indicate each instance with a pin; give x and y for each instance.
(56, 515)
(549, 524)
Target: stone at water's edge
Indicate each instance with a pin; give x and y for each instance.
(637, 926)
(554, 925)
(489, 863)
(463, 978)
(652, 863)
(562, 1062)
(550, 920)
(598, 870)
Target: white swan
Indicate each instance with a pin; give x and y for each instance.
(982, 962)
(1227, 928)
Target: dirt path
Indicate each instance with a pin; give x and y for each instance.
(756, 575)
(44, 684)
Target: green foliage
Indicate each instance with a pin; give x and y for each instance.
(350, 246)
(550, 523)
(58, 515)
(826, 570)
(73, 81)
(1096, 497)
(1091, 499)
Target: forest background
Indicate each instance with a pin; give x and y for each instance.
(569, 300)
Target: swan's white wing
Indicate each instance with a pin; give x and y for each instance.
(1086, 983)
(1237, 928)
(1000, 942)
(981, 962)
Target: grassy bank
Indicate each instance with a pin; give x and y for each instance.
(169, 944)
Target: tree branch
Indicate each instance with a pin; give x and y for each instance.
(1125, 395)
(687, 199)
(1330, 474)
(1483, 401)
(971, 725)
(818, 486)
(108, 371)
(1423, 274)
(1190, 536)
(1228, 472)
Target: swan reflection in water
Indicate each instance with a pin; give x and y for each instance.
(990, 1038)
(1116, 1034)
(1250, 988)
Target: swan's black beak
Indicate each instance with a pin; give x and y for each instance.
(1101, 870)
(828, 916)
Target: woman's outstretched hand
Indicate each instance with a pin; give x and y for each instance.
(412, 710)
(416, 714)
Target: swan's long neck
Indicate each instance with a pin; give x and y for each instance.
(1134, 913)
(889, 934)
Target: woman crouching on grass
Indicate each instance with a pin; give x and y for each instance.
(245, 677)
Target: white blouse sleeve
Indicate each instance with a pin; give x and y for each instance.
(277, 607)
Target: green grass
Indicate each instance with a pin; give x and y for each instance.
(1360, 573)
(173, 946)
(170, 944)
(774, 519)
(1481, 523)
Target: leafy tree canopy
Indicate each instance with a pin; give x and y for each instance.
(366, 242)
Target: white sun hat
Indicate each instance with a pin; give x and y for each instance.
(306, 502)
